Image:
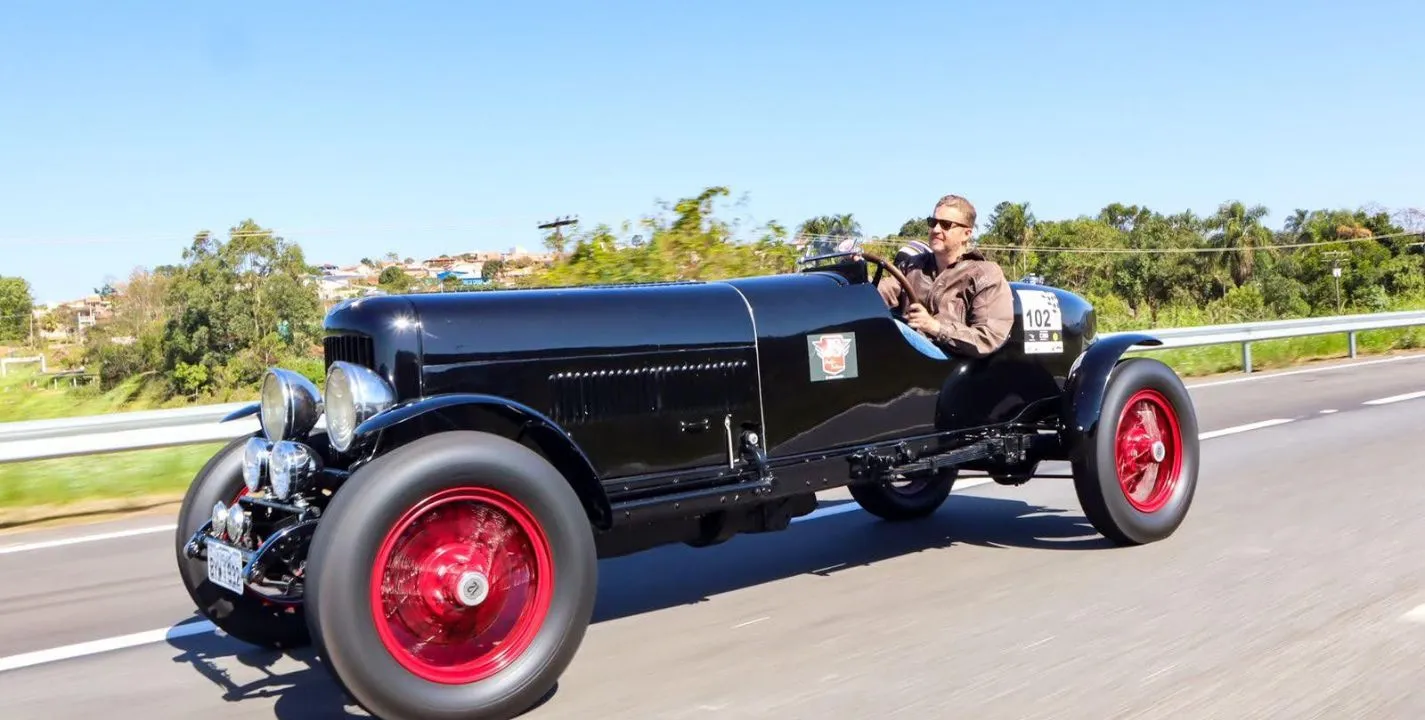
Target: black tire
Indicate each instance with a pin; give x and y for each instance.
(248, 618)
(349, 542)
(1105, 501)
(920, 498)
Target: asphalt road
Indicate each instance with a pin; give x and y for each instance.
(1294, 590)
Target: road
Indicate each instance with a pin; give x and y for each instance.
(1294, 589)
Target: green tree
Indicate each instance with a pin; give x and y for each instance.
(229, 301)
(16, 307)
(394, 280)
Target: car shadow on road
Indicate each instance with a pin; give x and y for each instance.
(830, 542)
(642, 583)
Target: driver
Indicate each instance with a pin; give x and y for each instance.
(970, 308)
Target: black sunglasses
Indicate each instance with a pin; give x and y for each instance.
(944, 224)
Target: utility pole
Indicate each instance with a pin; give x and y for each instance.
(556, 243)
(1336, 256)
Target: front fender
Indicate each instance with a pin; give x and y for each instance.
(1088, 380)
(552, 440)
(242, 412)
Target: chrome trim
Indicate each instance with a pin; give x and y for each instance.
(731, 454)
(296, 399)
(256, 453)
(237, 523)
(291, 468)
(367, 394)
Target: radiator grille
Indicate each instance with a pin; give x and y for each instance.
(355, 349)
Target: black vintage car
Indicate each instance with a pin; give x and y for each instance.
(437, 538)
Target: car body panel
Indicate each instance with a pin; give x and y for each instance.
(640, 377)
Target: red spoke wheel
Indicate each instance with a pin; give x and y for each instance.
(461, 585)
(1135, 471)
(453, 577)
(1149, 450)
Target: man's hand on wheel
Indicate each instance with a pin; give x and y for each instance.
(921, 320)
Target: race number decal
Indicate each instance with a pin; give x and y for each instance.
(1043, 323)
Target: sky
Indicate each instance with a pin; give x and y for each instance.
(358, 128)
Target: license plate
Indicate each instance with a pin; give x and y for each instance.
(225, 567)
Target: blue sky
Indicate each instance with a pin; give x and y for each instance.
(359, 127)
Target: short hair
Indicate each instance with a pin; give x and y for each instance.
(959, 203)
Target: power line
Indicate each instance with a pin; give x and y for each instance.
(1138, 251)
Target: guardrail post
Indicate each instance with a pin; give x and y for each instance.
(1247, 357)
(1351, 338)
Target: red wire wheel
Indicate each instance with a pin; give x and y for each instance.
(1148, 450)
(461, 585)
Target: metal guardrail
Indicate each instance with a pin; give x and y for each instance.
(149, 429)
(1245, 334)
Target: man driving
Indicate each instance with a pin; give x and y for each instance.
(970, 309)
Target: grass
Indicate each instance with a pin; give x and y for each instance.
(45, 489)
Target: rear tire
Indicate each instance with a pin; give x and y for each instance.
(393, 560)
(246, 617)
(920, 497)
(1135, 473)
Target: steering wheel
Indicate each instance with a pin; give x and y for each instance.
(881, 264)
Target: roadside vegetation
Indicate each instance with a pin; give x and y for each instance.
(203, 331)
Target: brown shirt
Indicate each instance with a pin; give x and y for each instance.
(971, 299)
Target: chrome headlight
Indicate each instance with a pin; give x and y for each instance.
(354, 395)
(237, 522)
(254, 460)
(291, 405)
(292, 467)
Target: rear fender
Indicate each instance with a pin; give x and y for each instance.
(1088, 381)
(468, 411)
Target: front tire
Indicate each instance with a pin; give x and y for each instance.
(247, 617)
(916, 498)
(1136, 473)
(470, 541)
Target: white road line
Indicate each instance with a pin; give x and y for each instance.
(1416, 615)
(1243, 428)
(94, 647)
(27, 547)
(1305, 371)
(1327, 412)
(1395, 398)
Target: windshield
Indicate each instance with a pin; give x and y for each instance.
(823, 247)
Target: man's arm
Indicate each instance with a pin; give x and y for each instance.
(890, 290)
(991, 315)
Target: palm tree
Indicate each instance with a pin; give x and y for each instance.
(830, 226)
(1239, 227)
